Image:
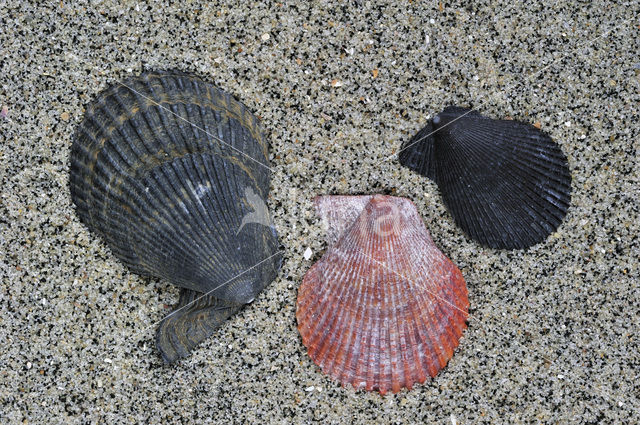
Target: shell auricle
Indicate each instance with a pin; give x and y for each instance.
(383, 309)
(173, 174)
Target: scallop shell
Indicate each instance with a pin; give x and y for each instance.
(506, 183)
(383, 308)
(172, 173)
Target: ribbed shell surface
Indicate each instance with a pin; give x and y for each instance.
(417, 153)
(506, 183)
(161, 167)
(384, 308)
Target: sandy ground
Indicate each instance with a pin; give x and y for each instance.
(553, 333)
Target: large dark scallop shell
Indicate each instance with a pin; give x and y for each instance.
(506, 183)
(383, 309)
(173, 174)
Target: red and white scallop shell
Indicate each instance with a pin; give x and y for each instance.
(383, 308)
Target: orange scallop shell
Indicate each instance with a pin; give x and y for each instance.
(383, 308)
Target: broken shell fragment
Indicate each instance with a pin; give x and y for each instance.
(383, 309)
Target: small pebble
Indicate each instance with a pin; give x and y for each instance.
(265, 36)
(308, 253)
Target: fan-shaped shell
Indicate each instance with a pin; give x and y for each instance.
(173, 173)
(383, 308)
(506, 183)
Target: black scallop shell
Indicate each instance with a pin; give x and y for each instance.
(164, 167)
(506, 183)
